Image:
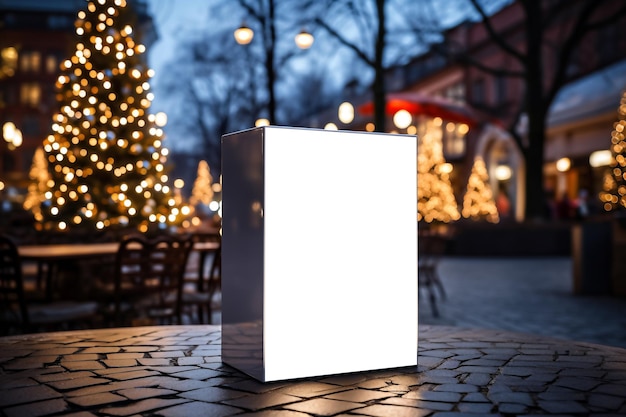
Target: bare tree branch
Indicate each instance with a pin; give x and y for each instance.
(494, 35)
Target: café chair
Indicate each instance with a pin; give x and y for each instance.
(431, 247)
(201, 296)
(20, 314)
(147, 280)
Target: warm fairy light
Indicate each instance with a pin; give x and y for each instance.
(613, 196)
(478, 202)
(436, 201)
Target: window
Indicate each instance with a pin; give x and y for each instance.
(52, 64)
(8, 62)
(478, 92)
(456, 92)
(454, 139)
(30, 61)
(30, 94)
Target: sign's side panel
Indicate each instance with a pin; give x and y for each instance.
(242, 251)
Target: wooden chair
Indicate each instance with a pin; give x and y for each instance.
(19, 314)
(148, 280)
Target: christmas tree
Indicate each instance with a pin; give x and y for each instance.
(614, 194)
(478, 201)
(106, 153)
(435, 199)
(39, 184)
(202, 191)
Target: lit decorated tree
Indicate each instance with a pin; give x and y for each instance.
(38, 187)
(202, 192)
(478, 202)
(435, 199)
(106, 154)
(614, 194)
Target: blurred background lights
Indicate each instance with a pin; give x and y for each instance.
(563, 164)
(503, 172)
(261, 122)
(345, 112)
(160, 119)
(331, 126)
(402, 119)
(600, 158)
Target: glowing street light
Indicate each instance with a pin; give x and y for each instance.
(304, 40)
(243, 35)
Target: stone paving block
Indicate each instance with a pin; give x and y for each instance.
(509, 408)
(563, 407)
(125, 355)
(82, 365)
(311, 389)
(198, 374)
(101, 349)
(382, 410)
(275, 413)
(96, 399)
(359, 395)
(71, 382)
(447, 397)
(27, 394)
(190, 360)
(149, 405)
(119, 370)
(580, 383)
(31, 362)
(154, 361)
(168, 354)
(475, 408)
(459, 388)
(212, 394)
(418, 404)
(36, 409)
(511, 397)
(478, 379)
(62, 375)
(141, 393)
(262, 401)
(132, 374)
(396, 388)
(119, 363)
(324, 407)
(609, 402)
(199, 409)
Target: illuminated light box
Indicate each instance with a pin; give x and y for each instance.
(319, 252)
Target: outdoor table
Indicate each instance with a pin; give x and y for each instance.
(46, 256)
(177, 371)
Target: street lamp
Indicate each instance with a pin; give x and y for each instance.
(244, 35)
(304, 40)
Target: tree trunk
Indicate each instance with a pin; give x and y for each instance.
(537, 115)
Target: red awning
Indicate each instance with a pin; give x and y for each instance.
(420, 104)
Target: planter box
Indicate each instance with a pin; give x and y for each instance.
(319, 252)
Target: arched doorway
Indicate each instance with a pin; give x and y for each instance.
(505, 165)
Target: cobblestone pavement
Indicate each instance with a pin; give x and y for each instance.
(177, 371)
(532, 295)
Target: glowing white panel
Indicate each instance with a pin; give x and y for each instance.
(339, 275)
